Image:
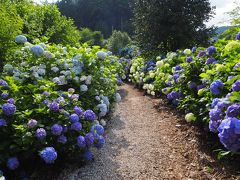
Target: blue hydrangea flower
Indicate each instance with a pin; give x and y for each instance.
(169, 83)
(215, 102)
(41, 133)
(89, 138)
(83, 88)
(54, 106)
(74, 118)
(213, 125)
(32, 123)
(62, 139)
(37, 50)
(81, 142)
(88, 155)
(100, 142)
(229, 134)
(233, 110)
(215, 114)
(77, 126)
(3, 122)
(49, 155)
(189, 59)
(178, 68)
(194, 49)
(9, 109)
(101, 55)
(20, 39)
(211, 50)
(216, 87)
(173, 96)
(89, 115)
(56, 129)
(98, 129)
(13, 163)
(4, 95)
(236, 86)
(238, 36)
(78, 111)
(11, 101)
(45, 102)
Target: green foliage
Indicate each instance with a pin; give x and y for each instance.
(11, 25)
(171, 25)
(91, 37)
(118, 41)
(45, 21)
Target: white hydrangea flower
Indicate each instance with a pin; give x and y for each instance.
(41, 72)
(55, 69)
(62, 80)
(8, 68)
(83, 78)
(83, 88)
(187, 51)
(103, 122)
(153, 93)
(56, 80)
(97, 98)
(103, 109)
(88, 80)
(77, 79)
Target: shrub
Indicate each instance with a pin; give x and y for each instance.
(91, 37)
(118, 41)
(52, 98)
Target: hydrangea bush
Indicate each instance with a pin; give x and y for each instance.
(203, 82)
(53, 101)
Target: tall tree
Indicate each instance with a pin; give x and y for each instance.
(171, 24)
(100, 15)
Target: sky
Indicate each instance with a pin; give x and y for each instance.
(220, 19)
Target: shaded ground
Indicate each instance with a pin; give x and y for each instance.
(148, 140)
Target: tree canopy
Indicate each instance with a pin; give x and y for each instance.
(171, 24)
(100, 15)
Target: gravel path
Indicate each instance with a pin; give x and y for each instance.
(143, 143)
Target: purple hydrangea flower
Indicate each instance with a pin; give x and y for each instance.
(32, 123)
(11, 101)
(74, 118)
(236, 86)
(233, 110)
(169, 83)
(3, 83)
(77, 126)
(45, 93)
(9, 109)
(88, 155)
(78, 111)
(189, 59)
(201, 54)
(211, 50)
(3, 122)
(229, 134)
(210, 61)
(89, 138)
(216, 86)
(100, 142)
(4, 95)
(71, 90)
(56, 129)
(49, 155)
(54, 106)
(238, 36)
(237, 66)
(192, 85)
(89, 115)
(13, 163)
(45, 102)
(41, 133)
(213, 125)
(62, 139)
(75, 97)
(81, 142)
